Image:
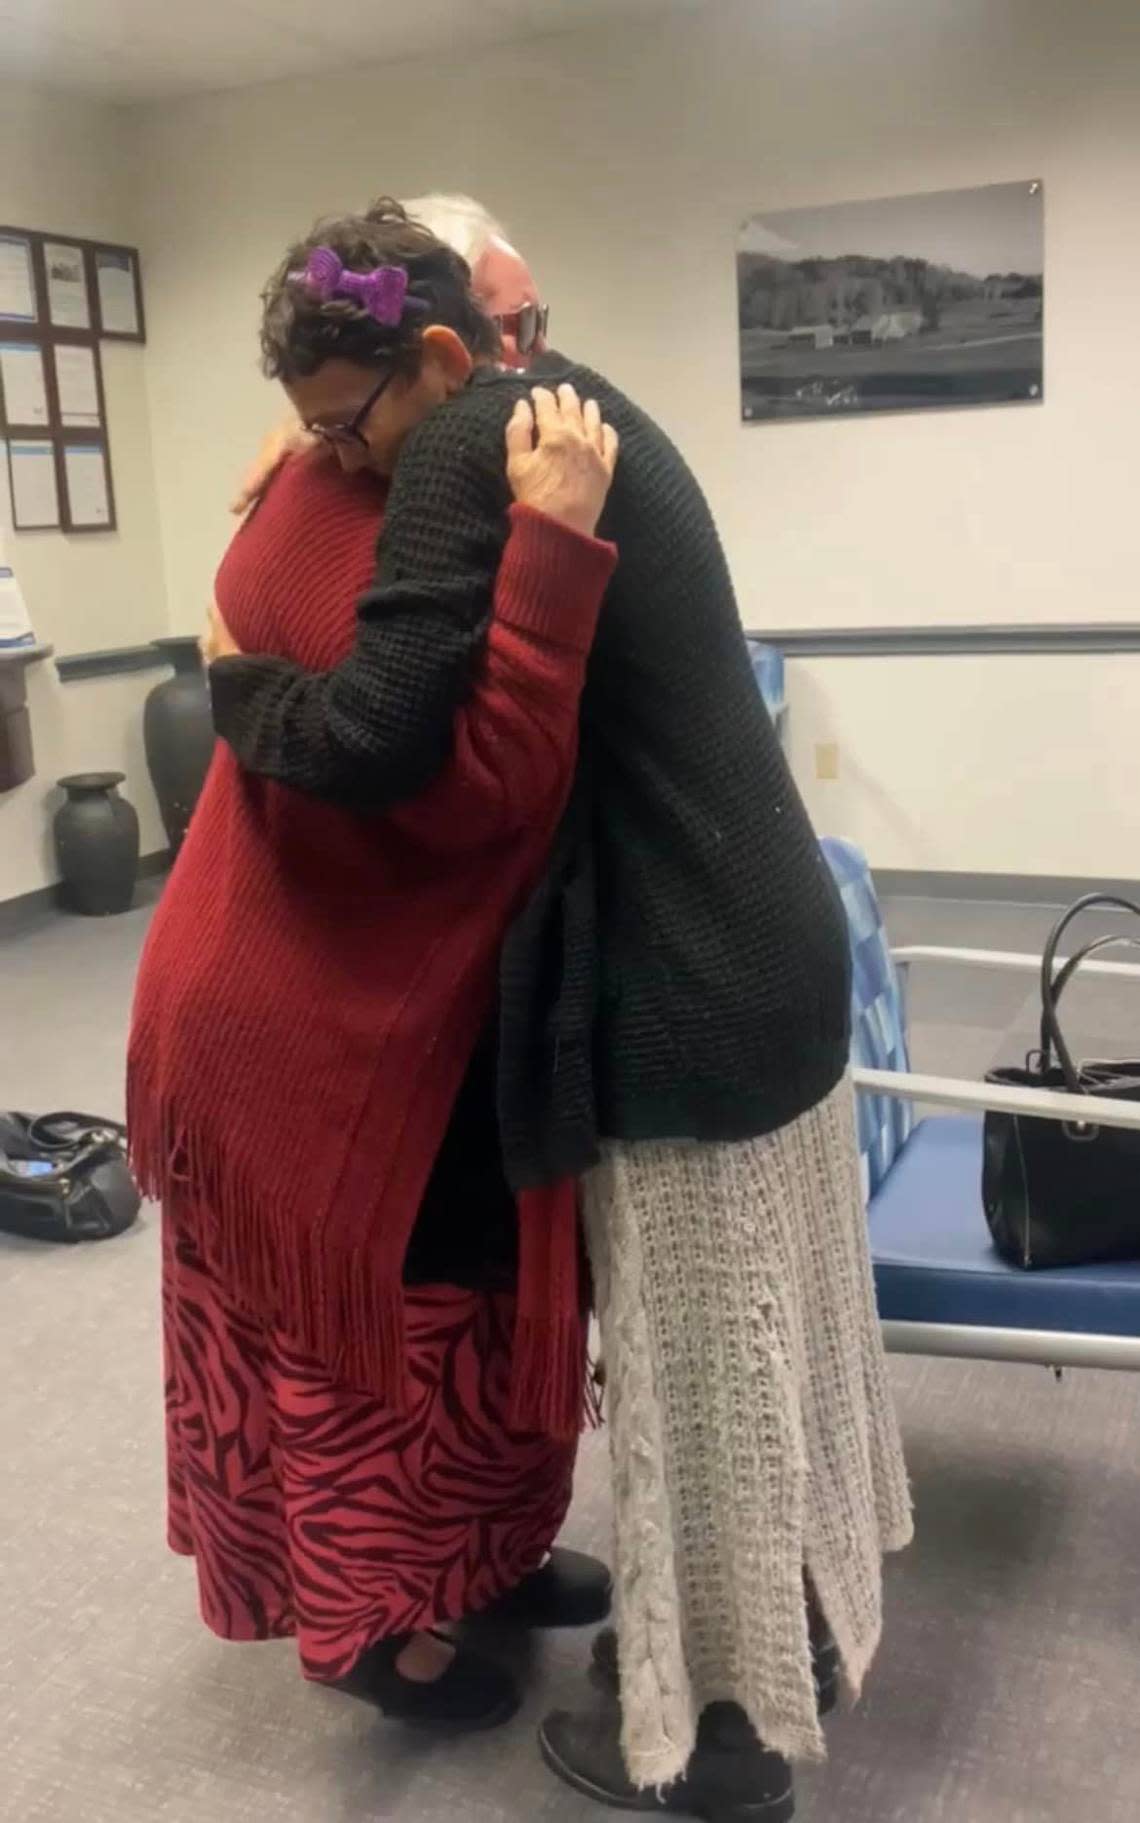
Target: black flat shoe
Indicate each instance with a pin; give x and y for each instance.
(731, 1777)
(824, 1664)
(472, 1694)
(570, 1590)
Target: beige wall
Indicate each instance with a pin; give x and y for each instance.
(623, 162)
(986, 764)
(68, 165)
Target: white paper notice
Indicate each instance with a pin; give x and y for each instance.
(67, 286)
(15, 627)
(77, 385)
(85, 465)
(35, 499)
(118, 303)
(22, 376)
(17, 292)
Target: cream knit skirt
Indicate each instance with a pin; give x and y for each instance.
(752, 1429)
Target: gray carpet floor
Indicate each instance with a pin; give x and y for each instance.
(1005, 1690)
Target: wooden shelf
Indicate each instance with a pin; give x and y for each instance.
(16, 762)
(18, 656)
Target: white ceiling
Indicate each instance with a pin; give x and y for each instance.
(137, 50)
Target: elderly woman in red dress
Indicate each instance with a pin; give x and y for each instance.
(374, 1358)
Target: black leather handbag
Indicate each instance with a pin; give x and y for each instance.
(1058, 1194)
(64, 1177)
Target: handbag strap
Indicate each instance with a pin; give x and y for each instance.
(1053, 984)
(67, 1132)
(1068, 969)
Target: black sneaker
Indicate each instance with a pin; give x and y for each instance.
(824, 1663)
(472, 1694)
(570, 1590)
(731, 1778)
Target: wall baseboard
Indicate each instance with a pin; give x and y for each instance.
(1009, 889)
(30, 911)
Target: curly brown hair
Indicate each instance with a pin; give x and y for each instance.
(300, 330)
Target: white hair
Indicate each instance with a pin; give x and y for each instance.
(459, 221)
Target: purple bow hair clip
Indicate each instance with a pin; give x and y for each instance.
(383, 292)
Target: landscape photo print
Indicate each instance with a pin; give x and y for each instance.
(906, 304)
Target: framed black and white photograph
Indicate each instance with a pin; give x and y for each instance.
(904, 304)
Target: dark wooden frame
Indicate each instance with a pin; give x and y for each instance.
(94, 249)
(40, 434)
(47, 337)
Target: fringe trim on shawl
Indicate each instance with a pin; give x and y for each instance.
(343, 1310)
(550, 1373)
(339, 1308)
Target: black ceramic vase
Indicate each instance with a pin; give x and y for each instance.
(178, 731)
(97, 845)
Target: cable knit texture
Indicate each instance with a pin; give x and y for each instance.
(752, 1429)
(315, 979)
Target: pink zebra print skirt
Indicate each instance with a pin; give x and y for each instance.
(313, 1512)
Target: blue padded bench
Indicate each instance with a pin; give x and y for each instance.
(934, 1262)
(942, 1289)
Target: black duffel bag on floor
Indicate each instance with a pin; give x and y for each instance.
(1058, 1194)
(64, 1177)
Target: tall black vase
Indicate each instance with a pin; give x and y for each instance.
(178, 732)
(97, 845)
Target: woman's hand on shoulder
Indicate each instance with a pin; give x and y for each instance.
(289, 439)
(561, 457)
(217, 641)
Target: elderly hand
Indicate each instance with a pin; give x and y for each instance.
(217, 641)
(561, 457)
(289, 439)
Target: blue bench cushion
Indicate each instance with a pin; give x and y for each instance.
(768, 670)
(878, 1031)
(934, 1262)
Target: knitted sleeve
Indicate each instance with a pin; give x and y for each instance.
(379, 727)
(515, 742)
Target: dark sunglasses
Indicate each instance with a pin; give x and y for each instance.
(528, 325)
(352, 429)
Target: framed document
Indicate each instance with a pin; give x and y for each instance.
(87, 478)
(25, 390)
(35, 492)
(17, 280)
(118, 294)
(69, 306)
(77, 385)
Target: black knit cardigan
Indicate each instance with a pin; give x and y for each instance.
(682, 970)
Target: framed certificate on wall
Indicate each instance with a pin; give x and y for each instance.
(118, 294)
(34, 485)
(69, 306)
(17, 279)
(87, 484)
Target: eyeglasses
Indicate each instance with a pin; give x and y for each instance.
(528, 325)
(351, 430)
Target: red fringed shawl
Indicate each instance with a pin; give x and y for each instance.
(315, 980)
